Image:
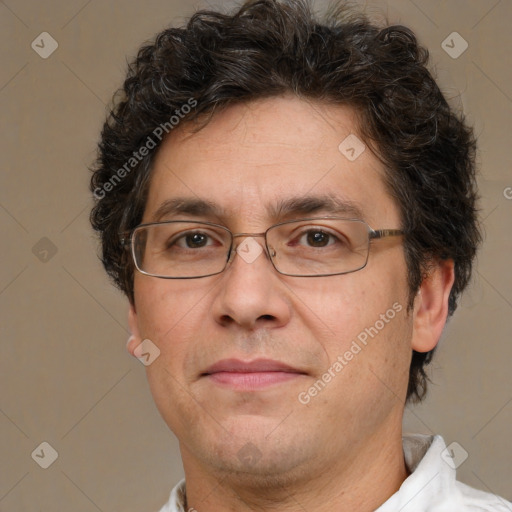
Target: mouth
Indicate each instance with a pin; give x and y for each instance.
(251, 375)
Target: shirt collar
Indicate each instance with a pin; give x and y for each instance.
(432, 480)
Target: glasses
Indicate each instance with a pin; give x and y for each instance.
(313, 247)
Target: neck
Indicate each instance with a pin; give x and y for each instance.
(361, 480)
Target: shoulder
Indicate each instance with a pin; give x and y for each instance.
(475, 500)
(432, 485)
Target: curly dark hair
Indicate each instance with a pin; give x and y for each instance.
(267, 48)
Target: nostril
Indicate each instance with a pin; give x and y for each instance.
(226, 320)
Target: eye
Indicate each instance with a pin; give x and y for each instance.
(191, 240)
(316, 237)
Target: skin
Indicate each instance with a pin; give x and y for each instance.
(343, 449)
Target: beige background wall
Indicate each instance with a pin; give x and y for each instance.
(65, 377)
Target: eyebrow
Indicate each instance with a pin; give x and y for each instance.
(305, 205)
(282, 210)
(188, 206)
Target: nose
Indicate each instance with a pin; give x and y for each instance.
(251, 293)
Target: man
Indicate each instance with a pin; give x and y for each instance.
(289, 207)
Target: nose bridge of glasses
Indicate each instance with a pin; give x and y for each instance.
(237, 235)
(249, 235)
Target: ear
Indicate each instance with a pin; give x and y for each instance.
(431, 306)
(135, 339)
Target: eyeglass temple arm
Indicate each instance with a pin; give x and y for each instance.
(125, 238)
(382, 233)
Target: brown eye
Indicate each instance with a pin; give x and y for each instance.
(190, 240)
(195, 240)
(317, 238)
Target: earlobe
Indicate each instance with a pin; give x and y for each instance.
(134, 340)
(431, 306)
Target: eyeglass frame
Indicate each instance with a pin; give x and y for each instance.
(126, 239)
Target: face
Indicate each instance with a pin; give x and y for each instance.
(247, 376)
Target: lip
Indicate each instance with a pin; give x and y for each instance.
(250, 375)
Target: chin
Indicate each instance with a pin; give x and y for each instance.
(256, 447)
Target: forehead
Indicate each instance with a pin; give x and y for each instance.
(254, 161)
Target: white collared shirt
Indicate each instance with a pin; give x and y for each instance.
(431, 486)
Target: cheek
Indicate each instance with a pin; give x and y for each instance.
(162, 305)
(344, 306)
(170, 315)
(370, 360)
